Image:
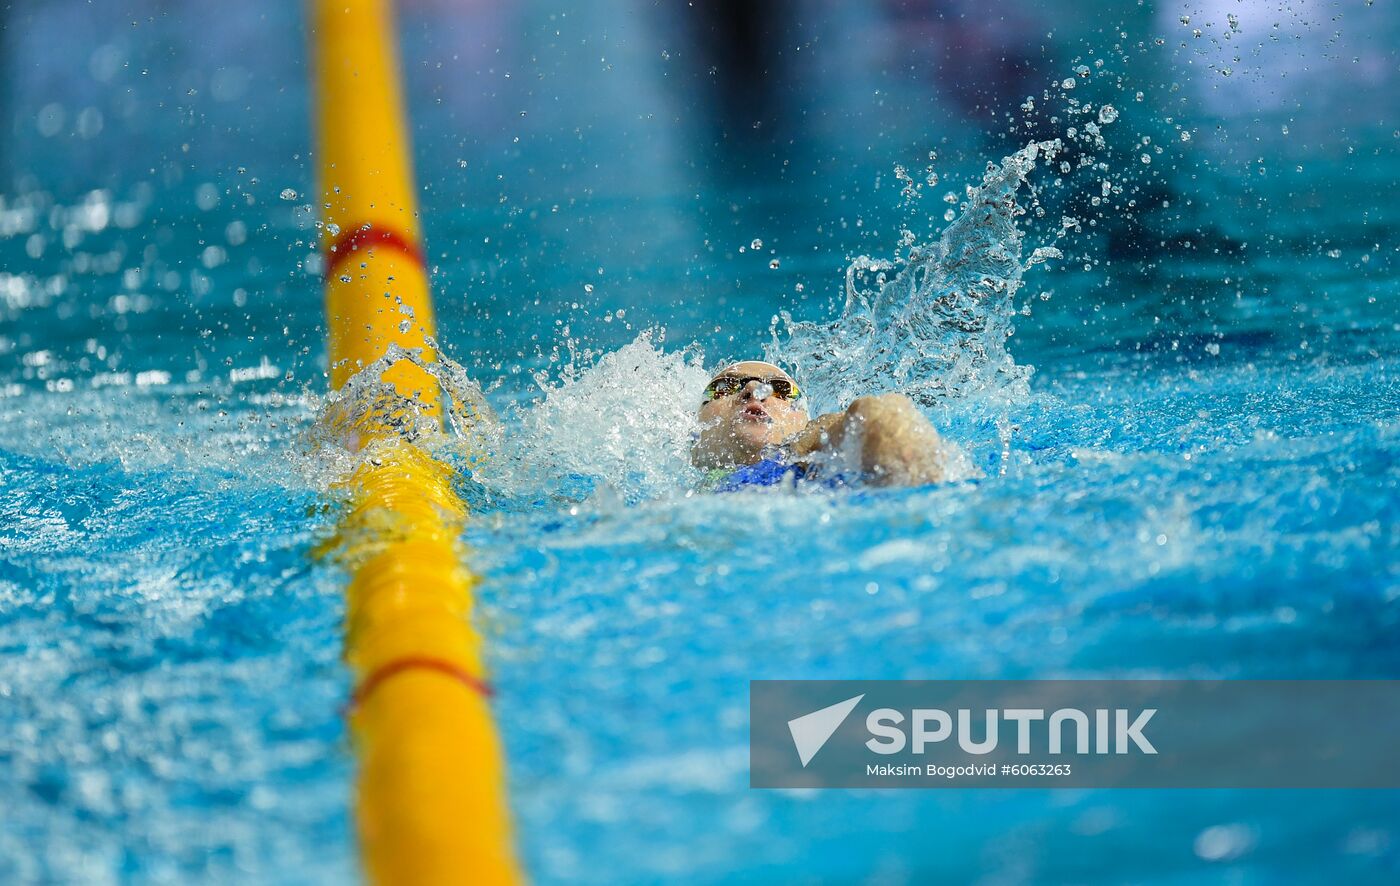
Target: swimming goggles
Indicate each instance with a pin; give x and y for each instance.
(728, 385)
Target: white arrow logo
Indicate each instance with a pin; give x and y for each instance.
(811, 731)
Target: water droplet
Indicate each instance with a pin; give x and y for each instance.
(774, 264)
(588, 287)
(1185, 136)
(1224, 842)
(50, 119)
(1067, 83)
(756, 244)
(288, 194)
(1083, 71)
(1146, 158)
(206, 196)
(1107, 114)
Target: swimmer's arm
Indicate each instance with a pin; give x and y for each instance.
(817, 435)
(897, 444)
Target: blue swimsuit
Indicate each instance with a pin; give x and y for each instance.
(773, 471)
(769, 472)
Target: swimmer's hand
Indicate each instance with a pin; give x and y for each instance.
(895, 444)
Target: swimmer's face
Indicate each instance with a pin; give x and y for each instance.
(738, 423)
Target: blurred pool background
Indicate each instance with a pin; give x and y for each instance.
(1200, 478)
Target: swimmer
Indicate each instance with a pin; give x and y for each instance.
(755, 431)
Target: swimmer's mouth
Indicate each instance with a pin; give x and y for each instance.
(755, 412)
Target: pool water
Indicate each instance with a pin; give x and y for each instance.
(1183, 457)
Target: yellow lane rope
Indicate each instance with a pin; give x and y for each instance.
(431, 800)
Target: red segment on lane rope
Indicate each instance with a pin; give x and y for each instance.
(424, 663)
(364, 237)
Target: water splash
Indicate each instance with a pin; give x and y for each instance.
(466, 430)
(933, 325)
(622, 424)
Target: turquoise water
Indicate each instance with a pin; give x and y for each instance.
(1186, 453)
